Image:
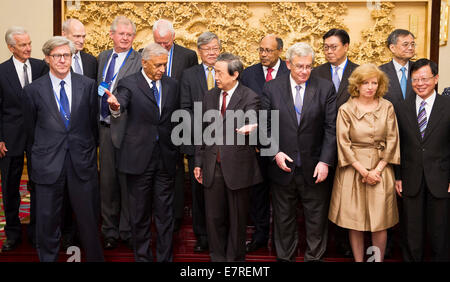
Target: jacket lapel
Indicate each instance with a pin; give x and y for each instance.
(286, 96)
(77, 92)
(13, 77)
(412, 116)
(48, 96)
(260, 75)
(234, 101)
(202, 80)
(310, 90)
(434, 117)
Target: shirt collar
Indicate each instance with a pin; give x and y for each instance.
(341, 66)
(231, 91)
(293, 83)
(56, 81)
(397, 66)
(17, 62)
(149, 81)
(359, 114)
(429, 100)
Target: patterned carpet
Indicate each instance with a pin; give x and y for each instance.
(24, 212)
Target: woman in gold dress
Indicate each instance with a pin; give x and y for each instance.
(363, 197)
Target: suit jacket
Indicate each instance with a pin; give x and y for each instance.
(50, 140)
(324, 71)
(183, 58)
(428, 157)
(253, 76)
(12, 130)
(394, 93)
(315, 138)
(132, 65)
(238, 162)
(90, 65)
(193, 87)
(145, 125)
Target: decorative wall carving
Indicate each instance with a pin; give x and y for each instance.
(293, 21)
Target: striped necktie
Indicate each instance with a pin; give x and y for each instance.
(422, 118)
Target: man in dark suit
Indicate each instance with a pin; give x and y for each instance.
(179, 59)
(195, 82)
(61, 116)
(15, 73)
(403, 47)
(338, 67)
(337, 70)
(254, 77)
(115, 64)
(147, 155)
(306, 122)
(423, 178)
(82, 62)
(226, 162)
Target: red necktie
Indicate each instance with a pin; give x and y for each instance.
(222, 112)
(269, 74)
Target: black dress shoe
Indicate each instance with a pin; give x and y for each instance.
(254, 245)
(110, 243)
(128, 243)
(10, 245)
(200, 246)
(177, 224)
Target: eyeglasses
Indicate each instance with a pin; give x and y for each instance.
(59, 56)
(125, 34)
(330, 47)
(421, 80)
(210, 50)
(267, 50)
(409, 44)
(303, 68)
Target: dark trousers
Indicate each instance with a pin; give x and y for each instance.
(11, 171)
(315, 202)
(260, 205)
(114, 194)
(178, 198)
(84, 198)
(226, 219)
(198, 204)
(424, 214)
(152, 190)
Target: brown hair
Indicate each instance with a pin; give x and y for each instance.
(364, 72)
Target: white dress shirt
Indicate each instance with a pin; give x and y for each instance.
(428, 106)
(294, 90)
(119, 61)
(275, 70)
(19, 69)
(158, 86)
(228, 98)
(398, 67)
(57, 88)
(340, 70)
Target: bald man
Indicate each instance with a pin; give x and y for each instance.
(254, 77)
(82, 62)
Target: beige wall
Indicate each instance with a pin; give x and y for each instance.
(35, 16)
(444, 67)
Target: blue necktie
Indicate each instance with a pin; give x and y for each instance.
(403, 82)
(156, 93)
(336, 80)
(109, 76)
(64, 108)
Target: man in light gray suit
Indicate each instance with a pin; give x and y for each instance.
(114, 64)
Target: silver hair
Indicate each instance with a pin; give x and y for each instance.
(57, 41)
(122, 20)
(299, 49)
(152, 50)
(66, 24)
(14, 30)
(163, 27)
(207, 37)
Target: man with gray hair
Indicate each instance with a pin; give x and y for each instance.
(147, 156)
(227, 171)
(194, 84)
(15, 73)
(179, 59)
(115, 64)
(306, 105)
(82, 62)
(61, 119)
